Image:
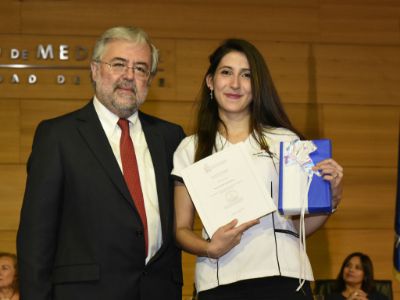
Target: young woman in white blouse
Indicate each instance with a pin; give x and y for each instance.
(259, 259)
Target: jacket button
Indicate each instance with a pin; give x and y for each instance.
(139, 233)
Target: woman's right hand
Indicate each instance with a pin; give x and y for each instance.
(227, 237)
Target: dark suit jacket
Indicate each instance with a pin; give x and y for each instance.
(80, 236)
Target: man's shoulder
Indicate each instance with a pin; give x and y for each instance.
(171, 133)
(71, 115)
(144, 117)
(160, 124)
(64, 123)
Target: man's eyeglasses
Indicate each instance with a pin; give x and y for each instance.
(118, 68)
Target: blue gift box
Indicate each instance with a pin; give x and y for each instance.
(319, 193)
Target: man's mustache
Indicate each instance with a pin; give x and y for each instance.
(126, 85)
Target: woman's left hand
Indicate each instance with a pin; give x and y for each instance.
(332, 172)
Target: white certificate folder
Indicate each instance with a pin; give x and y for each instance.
(295, 188)
(225, 186)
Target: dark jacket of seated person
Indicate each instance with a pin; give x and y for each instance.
(375, 295)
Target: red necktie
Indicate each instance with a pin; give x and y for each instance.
(131, 173)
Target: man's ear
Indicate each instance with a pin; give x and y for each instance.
(150, 80)
(95, 69)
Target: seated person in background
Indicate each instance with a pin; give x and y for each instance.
(355, 280)
(8, 277)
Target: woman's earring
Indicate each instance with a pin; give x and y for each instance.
(211, 95)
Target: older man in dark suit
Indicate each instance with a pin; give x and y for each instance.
(97, 216)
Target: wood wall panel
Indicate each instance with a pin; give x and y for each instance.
(358, 74)
(30, 43)
(307, 118)
(375, 23)
(9, 131)
(46, 86)
(372, 3)
(290, 21)
(339, 243)
(177, 112)
(10, 16)
(8, 240)
(12, 178)
(15, 81)
(369, 197)
(34, 111)
(213, 20)
(363, 135)
(279, 3)
(191, 65)
(357, 10)
(289, 66)
(188, 262)
(367, 30)
(163, 86)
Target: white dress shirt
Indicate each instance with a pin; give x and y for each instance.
(146, 169)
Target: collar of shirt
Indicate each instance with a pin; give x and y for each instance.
(108, 119)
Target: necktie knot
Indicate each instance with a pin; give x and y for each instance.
(123, 124)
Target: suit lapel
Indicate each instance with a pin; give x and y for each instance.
(92, 132)
(155, 142)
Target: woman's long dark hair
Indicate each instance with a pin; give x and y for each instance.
(266, 109)
(368, 281)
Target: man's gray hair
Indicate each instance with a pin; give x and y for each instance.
(132, 34)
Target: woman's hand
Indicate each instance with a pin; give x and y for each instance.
(227, 237)
(358, 295)
(332, 172)
(223, 240)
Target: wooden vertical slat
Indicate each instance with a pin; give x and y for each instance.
(9, 131)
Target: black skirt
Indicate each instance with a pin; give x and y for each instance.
(266, 288)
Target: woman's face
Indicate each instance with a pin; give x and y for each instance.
(7, 272)
(353, 272)
(231, 84)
